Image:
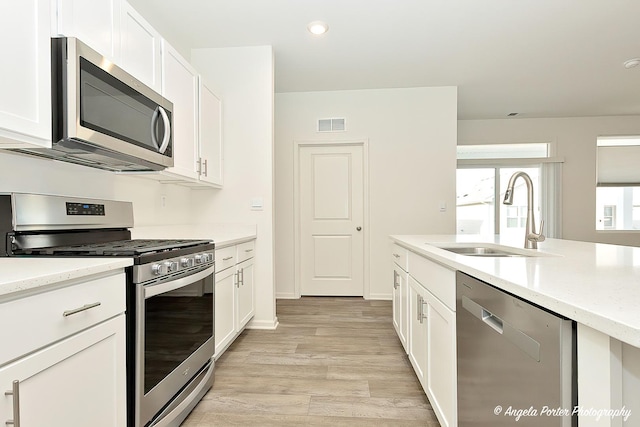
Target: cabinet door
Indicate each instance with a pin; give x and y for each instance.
(95, 22)
(404, 308)
(79, 381)
(25, 89)
(400, 315)
(225, 311)
(441, 357)
(180, 86)
(210, 136)
(246, 300)
(140, 48)
(418, 322)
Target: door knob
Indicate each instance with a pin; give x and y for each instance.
(358, 228)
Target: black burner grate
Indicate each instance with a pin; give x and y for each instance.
(120, 248)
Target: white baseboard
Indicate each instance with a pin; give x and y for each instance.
(287, 295)
(385, 297)
(263, 324)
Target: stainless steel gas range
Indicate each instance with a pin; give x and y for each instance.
(170, 294)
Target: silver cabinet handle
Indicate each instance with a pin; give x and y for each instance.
(248, 250)
(206, 168)
(422, 315)
(15, 392)
(199, 166)
(396, 255)
(241, 275)
(419, 307)
(395, 279)
(227, 258)
(80, 309)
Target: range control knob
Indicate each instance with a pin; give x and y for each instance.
(186, 262)
(159, 269)
(171, 266)
(199, 258)
(209, 257)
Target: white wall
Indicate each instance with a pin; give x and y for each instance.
(28, 174)
(243, 77)
(411, 135)
(575, 140)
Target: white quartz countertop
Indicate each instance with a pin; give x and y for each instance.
(595, 284)
(21, 275)
(221, 234)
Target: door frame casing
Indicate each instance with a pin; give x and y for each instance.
(297, 245)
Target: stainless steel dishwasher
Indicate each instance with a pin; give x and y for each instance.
(516, 361)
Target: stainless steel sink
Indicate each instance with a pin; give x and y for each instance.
(487, 250)
(482, 251)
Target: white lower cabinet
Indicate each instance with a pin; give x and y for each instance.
(432, 334)
(65, 363)
(417, 330)
(225, 309)
(79, 381)
(246, 299)
(441, 378)
(400, 294)
(235, 294)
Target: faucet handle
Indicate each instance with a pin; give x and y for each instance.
(537, 237)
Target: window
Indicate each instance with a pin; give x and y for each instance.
(483, 180)
(609, 217)
(618, 183)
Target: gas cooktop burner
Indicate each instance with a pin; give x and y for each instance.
(120, 248)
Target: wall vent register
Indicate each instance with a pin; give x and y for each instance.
(332, 125)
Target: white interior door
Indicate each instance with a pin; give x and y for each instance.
(331, 220)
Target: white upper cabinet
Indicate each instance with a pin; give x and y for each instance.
(210, 141)
(25, 86)
(95, 22)
(197, 124)
(180, 86)
(140, 48)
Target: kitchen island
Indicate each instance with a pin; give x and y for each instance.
(597, 285)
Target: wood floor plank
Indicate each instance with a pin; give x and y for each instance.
(332, 361)
(278, 371)
(293, 386)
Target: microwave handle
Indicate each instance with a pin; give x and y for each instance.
(160, 112)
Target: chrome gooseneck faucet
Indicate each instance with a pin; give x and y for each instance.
(531, 238)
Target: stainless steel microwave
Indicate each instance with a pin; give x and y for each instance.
(102, 116)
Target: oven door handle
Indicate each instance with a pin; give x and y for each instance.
(161, 288)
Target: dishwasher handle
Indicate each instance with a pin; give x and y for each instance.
(483, 314)
(518, 338)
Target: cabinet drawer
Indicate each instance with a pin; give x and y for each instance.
(400, 256)
(30, 323)
(246, 250)
(438, 280)
(225, 258)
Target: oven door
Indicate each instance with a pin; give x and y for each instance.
(174, 344)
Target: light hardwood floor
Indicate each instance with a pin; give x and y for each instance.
(331, 362)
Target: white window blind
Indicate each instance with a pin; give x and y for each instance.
(619, 161)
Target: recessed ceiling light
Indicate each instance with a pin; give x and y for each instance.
(631, 63)
(317, 27)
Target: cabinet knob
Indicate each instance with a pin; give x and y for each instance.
(358, 228)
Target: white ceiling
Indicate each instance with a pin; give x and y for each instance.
(540, 58)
